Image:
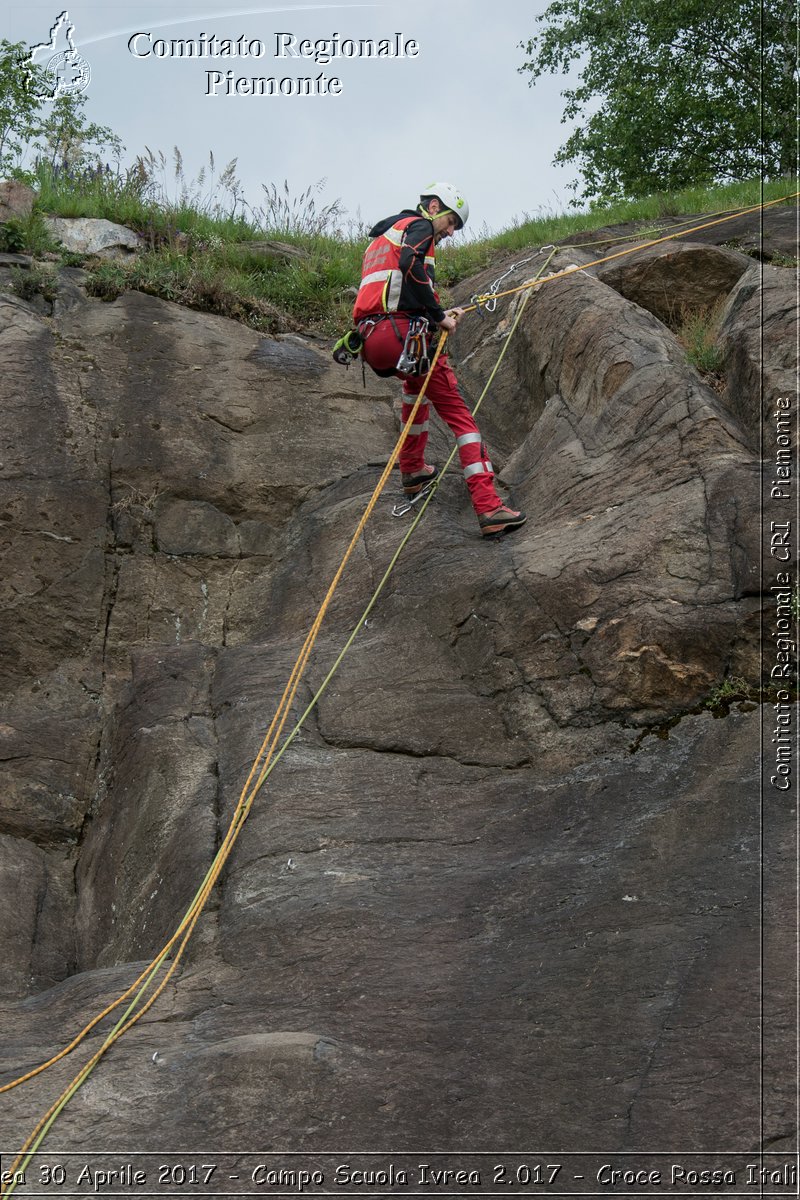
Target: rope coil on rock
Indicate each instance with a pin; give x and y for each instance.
(266, 759)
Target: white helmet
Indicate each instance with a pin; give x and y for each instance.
(451, 198)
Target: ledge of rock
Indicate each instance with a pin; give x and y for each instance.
(758, 333)
(92, 235)
(677, 277)
(268, 248)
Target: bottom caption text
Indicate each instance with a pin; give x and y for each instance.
(406, 1174)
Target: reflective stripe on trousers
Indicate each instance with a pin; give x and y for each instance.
(443, 393)
(482, 466)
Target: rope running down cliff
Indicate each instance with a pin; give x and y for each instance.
(266, 758)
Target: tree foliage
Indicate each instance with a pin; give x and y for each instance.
(57, 132)
(19, 108)
(67, 141)
(673, 93)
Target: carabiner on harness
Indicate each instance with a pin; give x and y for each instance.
(414, 358)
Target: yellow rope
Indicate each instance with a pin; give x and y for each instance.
(266, 759)
(243, 807)
(655, 226)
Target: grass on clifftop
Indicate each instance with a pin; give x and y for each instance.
(198, 235)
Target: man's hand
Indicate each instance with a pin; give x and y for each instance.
(451, 319)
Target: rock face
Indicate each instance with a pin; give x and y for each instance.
(676, 276)
(476, 903)
(646, 599)
(759, 332)
(16, 200)
(268, 248)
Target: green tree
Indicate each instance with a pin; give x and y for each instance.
(672, 93)
(57, 131)
(64, 138)
(19, 108)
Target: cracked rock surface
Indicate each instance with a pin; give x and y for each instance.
(463, 910)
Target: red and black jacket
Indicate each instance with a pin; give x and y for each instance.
(398, 271)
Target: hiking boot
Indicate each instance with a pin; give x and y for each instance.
(502, 520)
(412, 484)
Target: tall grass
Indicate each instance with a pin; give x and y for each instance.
(202, 237)
(205, 243)
(298, 216)
(151, 197)
(698, 332)
(654, 212)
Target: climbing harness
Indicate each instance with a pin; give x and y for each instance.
(268, 756)
(416, 347)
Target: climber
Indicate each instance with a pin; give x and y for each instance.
(396, 308)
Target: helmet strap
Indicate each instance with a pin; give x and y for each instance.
(432, 216)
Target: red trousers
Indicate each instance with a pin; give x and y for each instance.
(381, 351)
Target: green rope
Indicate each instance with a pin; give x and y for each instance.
(267, 771)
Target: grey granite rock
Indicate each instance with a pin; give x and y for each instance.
(479, 902)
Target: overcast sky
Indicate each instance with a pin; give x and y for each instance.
(458, 110)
